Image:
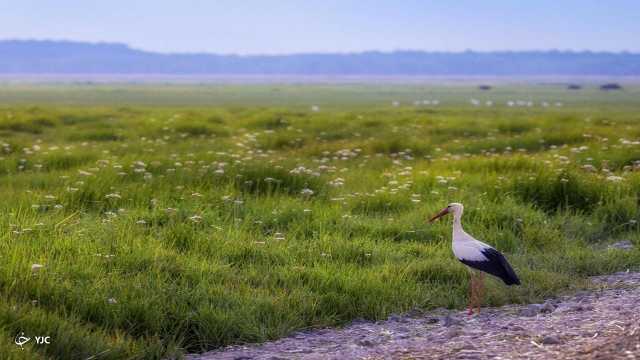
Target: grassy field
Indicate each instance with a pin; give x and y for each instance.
(165, 225)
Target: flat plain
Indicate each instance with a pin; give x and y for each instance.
(147, 221)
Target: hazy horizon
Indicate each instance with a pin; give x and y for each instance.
(291, 27)
(470, 50)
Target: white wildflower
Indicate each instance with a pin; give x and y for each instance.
(306, 192)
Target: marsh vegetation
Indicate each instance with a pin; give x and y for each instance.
(167, 229)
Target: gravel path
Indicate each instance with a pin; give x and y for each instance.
(603, 323)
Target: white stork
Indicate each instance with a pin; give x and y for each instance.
(478, 256)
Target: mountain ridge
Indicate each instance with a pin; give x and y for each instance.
(73, 57)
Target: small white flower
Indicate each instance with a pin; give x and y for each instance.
(306, 192)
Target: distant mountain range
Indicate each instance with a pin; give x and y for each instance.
(67, 57)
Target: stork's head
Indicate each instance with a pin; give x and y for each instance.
(455, 208)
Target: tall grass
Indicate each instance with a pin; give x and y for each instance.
(170, 230)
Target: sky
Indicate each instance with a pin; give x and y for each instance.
(302, 26)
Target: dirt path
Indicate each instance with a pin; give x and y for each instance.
(599, 324)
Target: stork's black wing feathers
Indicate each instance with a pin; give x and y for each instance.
(496, 265)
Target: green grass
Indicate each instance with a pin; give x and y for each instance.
(172, 229)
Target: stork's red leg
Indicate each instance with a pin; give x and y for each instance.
(470, 296)
(480, 290)
(476, 297)
(472, 293)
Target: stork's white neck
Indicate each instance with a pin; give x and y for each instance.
(457, 227)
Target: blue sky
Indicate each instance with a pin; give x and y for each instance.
(289, 26)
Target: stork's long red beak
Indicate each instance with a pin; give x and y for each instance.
(442, 213)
